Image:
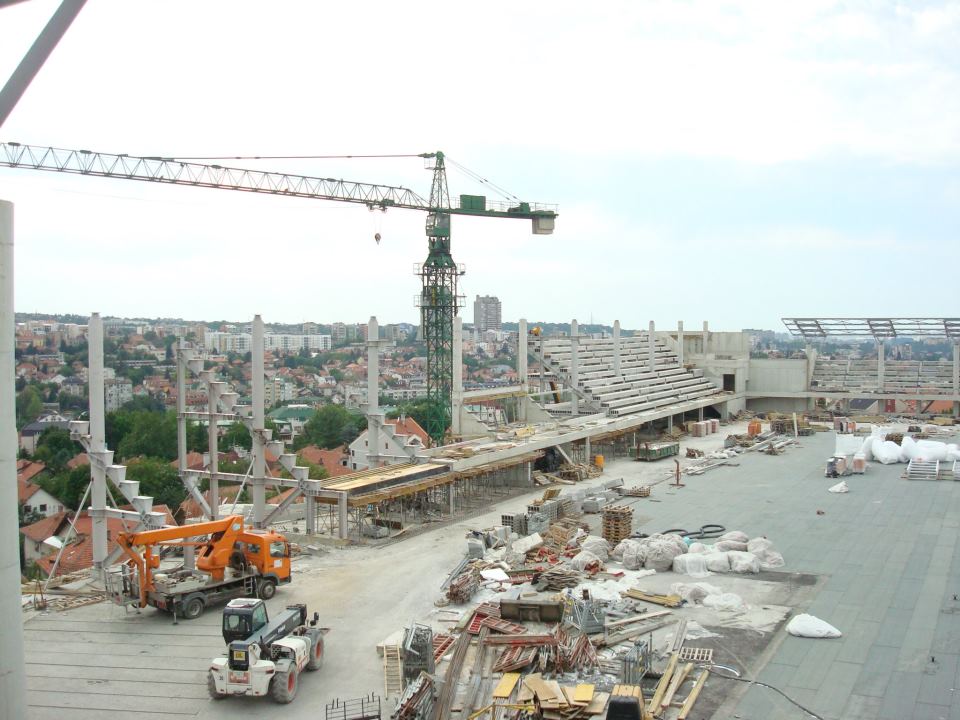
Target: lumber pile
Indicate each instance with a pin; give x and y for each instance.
(562, 702)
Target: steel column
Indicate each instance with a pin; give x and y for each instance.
(98, 492)
(259, 469)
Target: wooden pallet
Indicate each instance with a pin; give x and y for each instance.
(617, 524)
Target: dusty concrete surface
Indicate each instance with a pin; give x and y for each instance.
(872, 551)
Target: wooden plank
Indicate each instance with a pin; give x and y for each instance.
(664, 683)
(598, 703)
(505, 687)
(637, 618)
(675, 684)
(692, 697)
(583, 693)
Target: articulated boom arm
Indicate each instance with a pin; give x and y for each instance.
(175, 172)
(214, 555)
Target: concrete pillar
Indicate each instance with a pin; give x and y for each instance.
(522, 338)
(670, 422)
(259, 470)
(700, 414)
(343, 517)
(616, 348)
(311, 514)
(680, 341)
(457, 390)
(586, 448)
(212, 449)
(13, 701)
(574, 369)
(652, 348)
(374, 416)
(881, 352)
(451, 493)
(956, 377)
(706, 336)
(98, 489)
(181, 408)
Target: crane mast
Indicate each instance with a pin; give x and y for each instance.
(439, 300)
(439, 304)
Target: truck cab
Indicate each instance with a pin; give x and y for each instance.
(269, 553)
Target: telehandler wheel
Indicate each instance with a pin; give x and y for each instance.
(268, 588)
(283, 687)
(316, 650)
(193, 608)
(212, 688)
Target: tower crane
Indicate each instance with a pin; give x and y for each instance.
(439, 300)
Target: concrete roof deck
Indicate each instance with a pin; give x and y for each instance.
(885, 556)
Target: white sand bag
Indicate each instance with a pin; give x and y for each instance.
(808, 626)
(743, 562)
(840, 487)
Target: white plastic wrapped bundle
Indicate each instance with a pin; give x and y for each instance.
(735, 536)
(717, 562)
(885, 451)
(581, 560)
(694, 592)
(743, 562)
(931, 450)
(867, 449)
(728, 545)
(769, 558)
(632, 553)
(908, 449)
(698, 547)
(692, 564)
(804, 625)
(660, 550)
(953, 451)
(596, 545)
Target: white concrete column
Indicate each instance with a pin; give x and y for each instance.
(181, 408)
(574, 369)
(13, 700)
(522, 352)
(586, 449)
(98, 490)
(652, 348)
(680, 341)
(374, 417)
(212, 449)
(881, 359)
(616, 348)
(706, 336)
(956, 368)
(257, 379)
(311, 514)
(343, 517)
(457, 390)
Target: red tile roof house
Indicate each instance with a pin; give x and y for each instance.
(29, 494)
(400, 442)
(78, 551)
(333, 461)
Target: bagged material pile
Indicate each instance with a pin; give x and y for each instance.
(730, 602)
(585, 560)
(656, 552)
(694, 593)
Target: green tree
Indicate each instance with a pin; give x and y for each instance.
(330, 427)
(151, 435)
(68, 486)
(236, 435)
(419, 410)
(159, 480)
(55, 449)
(29, 406)
(146, 403)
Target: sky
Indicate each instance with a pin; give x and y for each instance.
(736, 162)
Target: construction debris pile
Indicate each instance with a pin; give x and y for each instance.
(564, 626)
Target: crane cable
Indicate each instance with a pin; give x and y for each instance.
(506, 194)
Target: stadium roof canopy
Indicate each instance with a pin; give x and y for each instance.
(877, 328)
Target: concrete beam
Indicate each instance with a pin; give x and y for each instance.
(574, 367)
(98, 490)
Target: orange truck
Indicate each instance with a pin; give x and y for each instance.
(231, 561)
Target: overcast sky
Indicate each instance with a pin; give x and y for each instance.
(735, 162)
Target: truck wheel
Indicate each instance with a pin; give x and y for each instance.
(193, 608)
(268, 588)
(283, 687)
(212, 688)
(316, 650)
